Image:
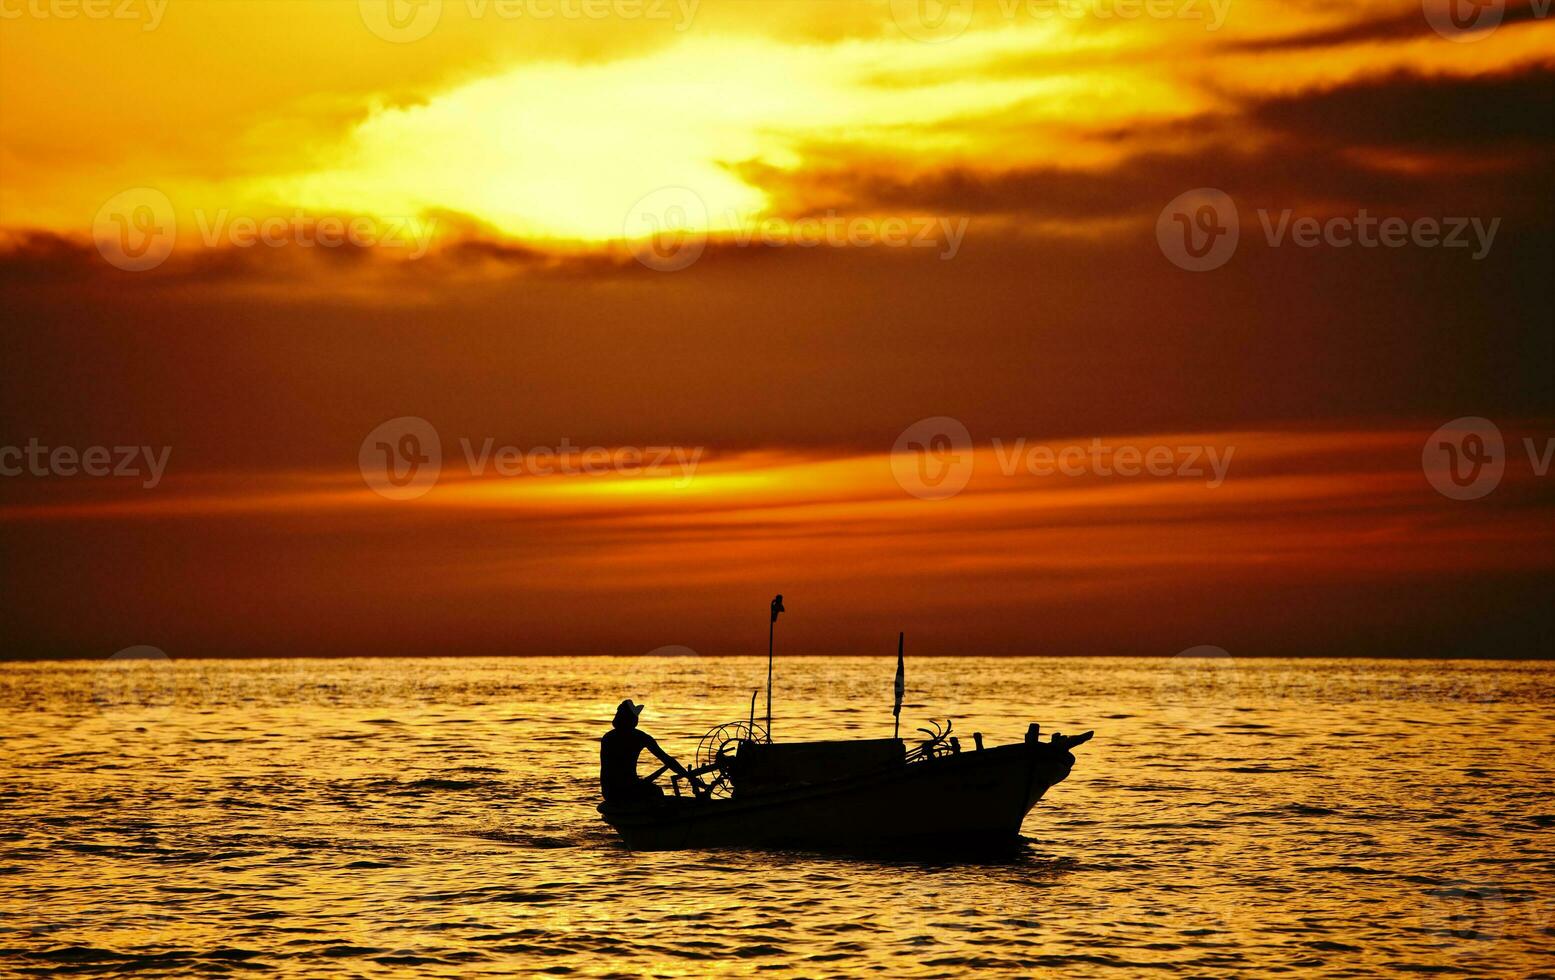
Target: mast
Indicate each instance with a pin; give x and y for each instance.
(777, 607)
(901, 685)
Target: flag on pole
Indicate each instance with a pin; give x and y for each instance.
(901, 679)
(777, 606)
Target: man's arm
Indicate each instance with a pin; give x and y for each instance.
(664, 757)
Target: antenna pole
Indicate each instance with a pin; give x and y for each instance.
(900, 687)
(777, 607)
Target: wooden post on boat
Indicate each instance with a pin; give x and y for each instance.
(901, 685)
(777, 607)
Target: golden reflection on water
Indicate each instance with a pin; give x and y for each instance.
(434, 817)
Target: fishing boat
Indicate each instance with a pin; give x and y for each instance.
(867, 793)
(750, 791)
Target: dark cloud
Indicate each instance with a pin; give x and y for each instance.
(1286, 174)
(1017, 335)
(1400, 27)
(1409, 111)
(40, 257)
(1406, 142)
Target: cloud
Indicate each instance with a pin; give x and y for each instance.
(1403, 141)
(1331, 515)
(529, 321)
(1488, 114)
(1405, 25)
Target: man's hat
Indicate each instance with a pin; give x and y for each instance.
(627, 707)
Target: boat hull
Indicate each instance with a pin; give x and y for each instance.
(970, 800)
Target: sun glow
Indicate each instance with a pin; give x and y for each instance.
(562, 151)
(754, 111)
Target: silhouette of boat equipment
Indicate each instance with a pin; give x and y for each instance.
(864, 793)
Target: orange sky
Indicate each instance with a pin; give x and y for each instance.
(252, 232)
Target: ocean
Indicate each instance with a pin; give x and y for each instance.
(435, 817)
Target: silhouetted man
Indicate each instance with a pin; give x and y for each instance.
(618, 752)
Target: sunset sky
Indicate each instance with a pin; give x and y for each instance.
(758, 241)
